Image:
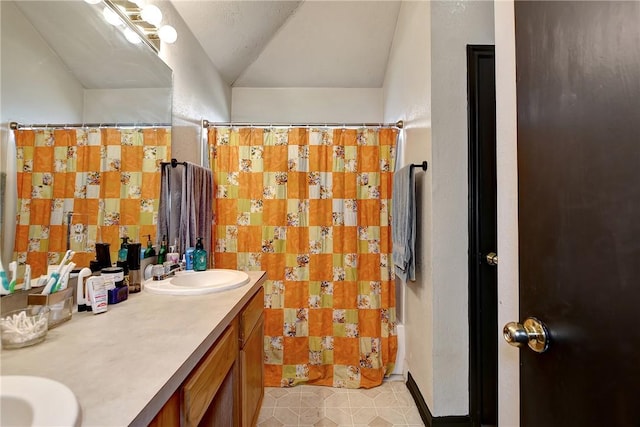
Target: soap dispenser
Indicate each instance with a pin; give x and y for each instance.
(124, 249)
(150, 251)
(162, 253)
(123, 254)
(200, 260)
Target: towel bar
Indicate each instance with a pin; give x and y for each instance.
(173, 163)
(422, 165)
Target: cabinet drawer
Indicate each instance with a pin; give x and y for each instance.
(250, 315)
(202, 385)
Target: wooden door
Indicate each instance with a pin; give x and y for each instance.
(578, 101)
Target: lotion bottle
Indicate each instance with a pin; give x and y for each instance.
(200, 257)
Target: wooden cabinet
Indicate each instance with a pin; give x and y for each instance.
(227, 386)
(251, 359)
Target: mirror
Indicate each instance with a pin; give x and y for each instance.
(66, 53)
(63, 63)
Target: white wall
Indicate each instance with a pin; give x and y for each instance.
(198, 89)
(436, 309)
(120, 105)
(33, 92)
(507, 177)
(407, 96)
(306, 105)
(454, 25)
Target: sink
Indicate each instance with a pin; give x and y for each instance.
(37, 401)
(198, 282)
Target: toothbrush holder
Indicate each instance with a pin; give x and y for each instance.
(60, 305)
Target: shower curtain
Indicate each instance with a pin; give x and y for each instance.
(108, 178)
(311, 207)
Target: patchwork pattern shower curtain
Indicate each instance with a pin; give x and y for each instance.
(311, 207)
(108, 178)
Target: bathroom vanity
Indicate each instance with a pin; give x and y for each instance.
(159, 359)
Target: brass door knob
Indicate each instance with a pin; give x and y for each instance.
(492, 258)
(532, 332)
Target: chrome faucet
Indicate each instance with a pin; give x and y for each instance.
(161, 272)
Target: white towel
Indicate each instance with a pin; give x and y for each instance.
(403, 223)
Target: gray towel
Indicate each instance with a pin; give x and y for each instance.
(403, 223)
(172, 181)
(185, 211)
(197, 201)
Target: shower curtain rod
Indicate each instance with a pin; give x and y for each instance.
(206, 124)
(16, 125)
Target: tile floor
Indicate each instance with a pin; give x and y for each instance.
(387, 405)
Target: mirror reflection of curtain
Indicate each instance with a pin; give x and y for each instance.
(108, 178)
(312, 208)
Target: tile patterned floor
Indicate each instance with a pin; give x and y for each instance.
(385, 406)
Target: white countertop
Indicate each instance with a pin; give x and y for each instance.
(124, 364)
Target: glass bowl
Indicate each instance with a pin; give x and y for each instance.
(24, 327)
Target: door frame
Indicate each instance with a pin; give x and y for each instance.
(479, 352)
(507, 176)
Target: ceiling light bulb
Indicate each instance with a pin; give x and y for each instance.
(151, 14)
(93, 1)
(111, 17)
(167, 34)
(131, 36)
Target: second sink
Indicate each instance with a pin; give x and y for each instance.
(37, 401)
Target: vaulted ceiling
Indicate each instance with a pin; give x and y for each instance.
(263, 43)
(295, 43)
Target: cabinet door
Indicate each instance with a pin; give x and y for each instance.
(205, 382)
(252, 374)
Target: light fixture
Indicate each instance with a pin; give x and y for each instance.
(139, 21)
(167, 34)
(151, 14)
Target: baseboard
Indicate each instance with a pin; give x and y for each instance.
(428, 419)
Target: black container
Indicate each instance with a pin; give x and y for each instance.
(133, 259)
(102, 255)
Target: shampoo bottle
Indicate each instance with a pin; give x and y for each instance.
(199, 257)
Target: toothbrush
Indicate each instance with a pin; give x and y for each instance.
(13, 268)
(65, 276)
(55, 276)
(27, 277)
(4, 289)
(49, 286)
